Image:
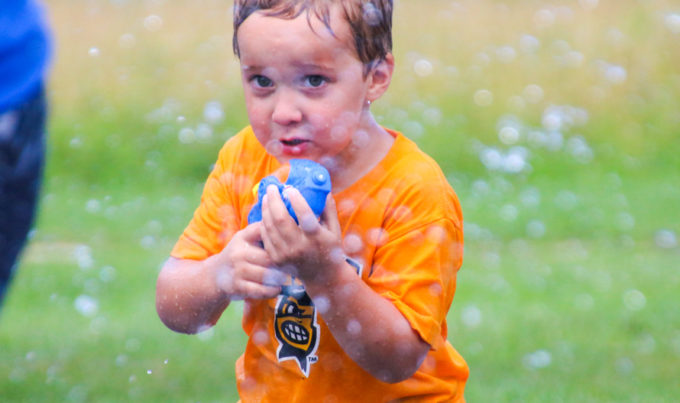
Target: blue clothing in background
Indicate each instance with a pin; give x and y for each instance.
(24, 58)
(25, 51)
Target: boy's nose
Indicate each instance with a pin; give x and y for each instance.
(285, 110)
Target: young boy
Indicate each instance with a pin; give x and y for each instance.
(365, 317)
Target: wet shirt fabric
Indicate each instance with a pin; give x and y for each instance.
(401, 221)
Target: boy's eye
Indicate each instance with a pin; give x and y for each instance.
(315, 81)
(262, 81)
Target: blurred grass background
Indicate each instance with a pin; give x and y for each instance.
(557, 122)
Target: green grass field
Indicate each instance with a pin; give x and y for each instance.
(558, 124)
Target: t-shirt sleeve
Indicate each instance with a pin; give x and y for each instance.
(417, 271)
(217, 218)
(416, 267)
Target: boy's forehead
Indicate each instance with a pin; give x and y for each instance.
(339, 33)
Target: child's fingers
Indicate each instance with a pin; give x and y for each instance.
(251, 233)
(330, 215)
(251, 281)
(306, 218)
(252, 290)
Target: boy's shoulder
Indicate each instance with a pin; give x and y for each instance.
(409, 164)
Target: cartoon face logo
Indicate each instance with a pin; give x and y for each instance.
(296, 328)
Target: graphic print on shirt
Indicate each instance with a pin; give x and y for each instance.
(296, 328)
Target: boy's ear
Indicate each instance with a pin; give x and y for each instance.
(380, 77)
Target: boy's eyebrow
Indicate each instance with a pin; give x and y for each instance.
(308, 66)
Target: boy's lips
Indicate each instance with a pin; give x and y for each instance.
(291, 142)
(294, 146)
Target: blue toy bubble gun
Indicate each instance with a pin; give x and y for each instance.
(311, 179)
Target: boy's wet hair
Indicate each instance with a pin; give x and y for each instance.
(370, 21)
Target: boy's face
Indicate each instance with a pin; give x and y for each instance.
(305, 91)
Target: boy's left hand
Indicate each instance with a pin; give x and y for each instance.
(307, 250)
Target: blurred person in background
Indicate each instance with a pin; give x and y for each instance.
(25, 49)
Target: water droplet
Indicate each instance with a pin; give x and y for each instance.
(132, 344)
(92, 206)
(354, 327)
(353, 244)
(509, 213)
(584, 302)
(149, 372)
(153, 23)
(471, 316)
(206, 333)
(529, 43)
(423, 67)
(579, 149)
(615, 74)
(322, 303)
(147, 241)
(634, 300)
(86, 305)
(506, 54)
(536, 229)
(127, 41)
(672, 22)
(588, 4)
(544, 18)
(624, 366)
(645, 344)
(107, 274)
(213, 112)
(508, 135)
(533, 93)
(187, 135)
(372, 15)
(537, 360)
(121, 360)
(483, 98)
(665, 239)
(530, 197)
(625, 221)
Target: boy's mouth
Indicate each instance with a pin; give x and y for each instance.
(292, 142)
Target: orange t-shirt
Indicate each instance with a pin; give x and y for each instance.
(402, 221)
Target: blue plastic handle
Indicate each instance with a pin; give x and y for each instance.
(311, 179)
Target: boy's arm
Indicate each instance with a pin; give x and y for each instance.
(370, 329)
(192, 294)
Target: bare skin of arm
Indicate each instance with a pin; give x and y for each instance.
(388, 348)
(191, 294)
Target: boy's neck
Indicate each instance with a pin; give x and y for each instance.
(362, 157)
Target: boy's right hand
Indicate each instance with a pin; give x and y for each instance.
(244, 269)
